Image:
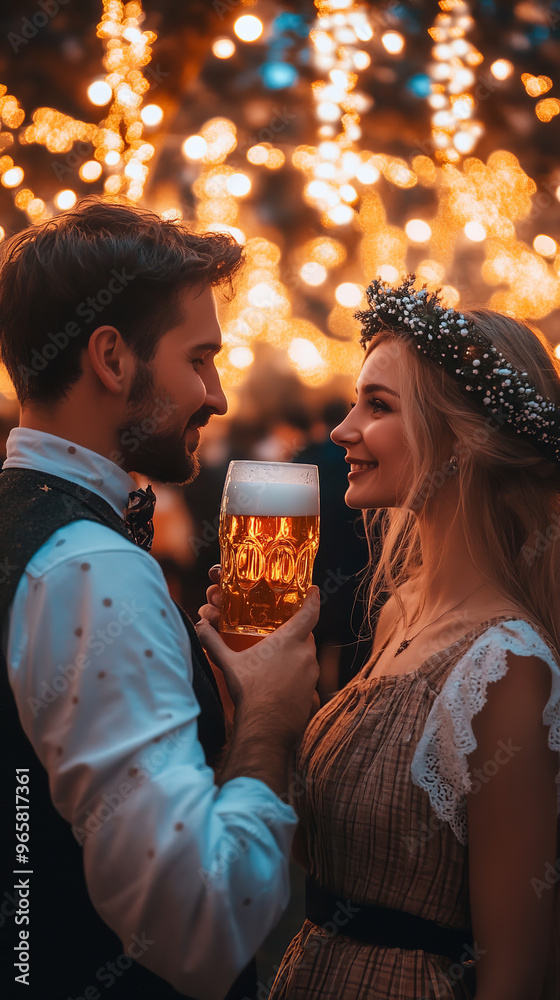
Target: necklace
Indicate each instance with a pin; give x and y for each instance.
(406, 642)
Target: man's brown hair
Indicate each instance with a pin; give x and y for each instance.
(101, 263)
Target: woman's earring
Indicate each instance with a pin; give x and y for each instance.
(452, 465)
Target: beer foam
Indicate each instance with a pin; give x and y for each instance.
(272, 500)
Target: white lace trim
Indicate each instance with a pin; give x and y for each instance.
(439, 765)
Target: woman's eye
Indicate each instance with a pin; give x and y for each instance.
(375, 404)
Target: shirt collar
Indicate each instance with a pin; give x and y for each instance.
(27, 448)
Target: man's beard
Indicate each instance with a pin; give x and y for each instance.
(159, 455)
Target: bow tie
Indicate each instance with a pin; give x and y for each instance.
(138, 517)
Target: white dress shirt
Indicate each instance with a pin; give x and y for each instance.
(100, 665)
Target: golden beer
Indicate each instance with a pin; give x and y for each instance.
(269, 536)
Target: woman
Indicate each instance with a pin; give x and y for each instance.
(428, 817)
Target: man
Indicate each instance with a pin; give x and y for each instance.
(109, 332)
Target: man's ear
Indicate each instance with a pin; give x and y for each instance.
(107, 355)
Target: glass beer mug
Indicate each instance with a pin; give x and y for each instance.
(269, 536)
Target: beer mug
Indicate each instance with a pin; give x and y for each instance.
(269, 536)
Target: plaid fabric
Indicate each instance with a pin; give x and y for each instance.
(373, 837)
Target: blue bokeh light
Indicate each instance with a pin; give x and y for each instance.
(419, 85)
(278, 75)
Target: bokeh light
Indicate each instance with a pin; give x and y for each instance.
(418, 230)
(545, 245)
(223, 48)
(501, 69)
(348, 294)
(99, 93)
(65, 199)
(313, 273)
(195, 147)
(248, 28)
(12, 177)
(151, 114)
(393, 42)
(475, 231)
(90, 170)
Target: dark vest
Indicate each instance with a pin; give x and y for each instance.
(71, 949)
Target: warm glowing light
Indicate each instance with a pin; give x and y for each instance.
(328, 111)
(536, 85)
(501, 69)
(418, 231)
(11, 178)
(329, 151)
(545, 245)
(547, 109)
(341, 215)
(90, 170)
(367, 173)
(393, 42)
(258, 154)
(475, 231)
(195, 147)
(218, 227)
(361, 59)
(275, 159)
(304, 354)
(223, 48)
(248, 28)
(557, 351)
(112, 158)
(239, 185)
(388, 273)
(151, 114)
(348, 193)
(241, 357)
(348, 294)
(450, 296)
(313, 273)
(65, 199)
(99, 93)
(264, 296)
(172, 214)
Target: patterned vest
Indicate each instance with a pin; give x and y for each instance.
(69, 943)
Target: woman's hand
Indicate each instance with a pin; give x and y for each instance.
(211, 610)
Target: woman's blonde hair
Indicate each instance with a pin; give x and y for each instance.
(508, 494)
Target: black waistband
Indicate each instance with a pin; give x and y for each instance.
(380, 925)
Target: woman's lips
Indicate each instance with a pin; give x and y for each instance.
(361, 468)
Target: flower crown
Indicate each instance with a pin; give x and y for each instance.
(448, 338)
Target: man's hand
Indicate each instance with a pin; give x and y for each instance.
(275, 680)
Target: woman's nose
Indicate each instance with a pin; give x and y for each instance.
(345, 432)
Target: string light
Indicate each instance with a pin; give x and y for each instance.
(337, 37)
(454, 130)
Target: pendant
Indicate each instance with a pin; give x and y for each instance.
(403, 646)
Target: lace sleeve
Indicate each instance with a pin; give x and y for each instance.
(439, 765)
